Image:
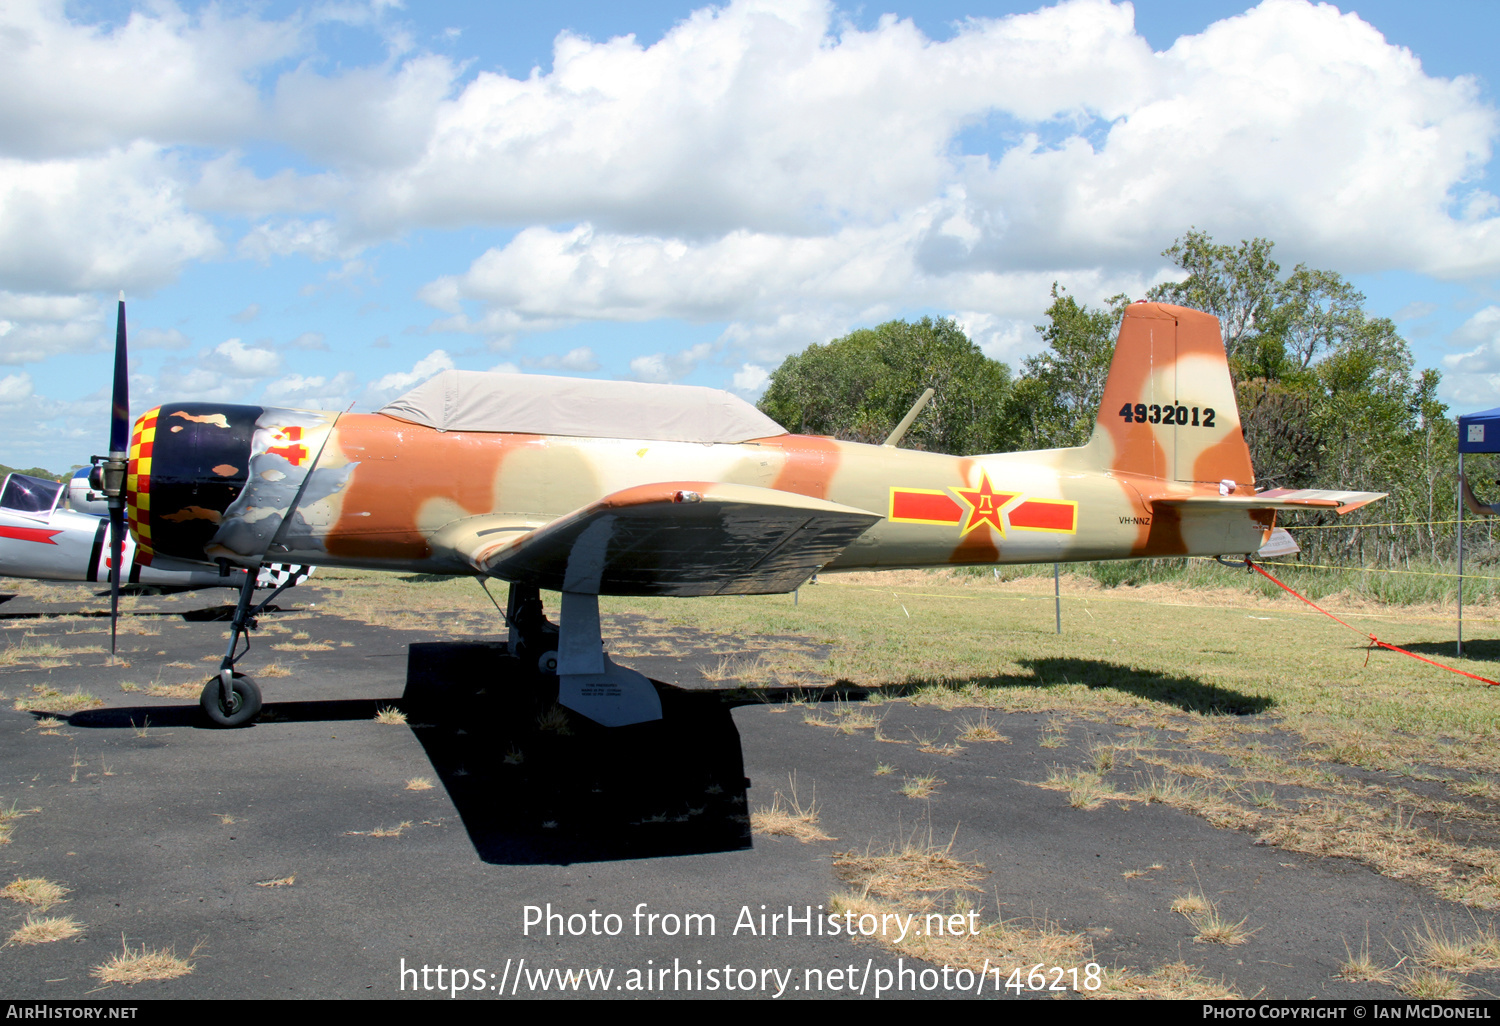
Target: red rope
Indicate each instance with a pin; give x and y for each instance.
(1374, 641)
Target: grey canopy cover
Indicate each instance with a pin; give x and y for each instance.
(537, 404)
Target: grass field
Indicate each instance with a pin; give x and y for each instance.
(1223, 696)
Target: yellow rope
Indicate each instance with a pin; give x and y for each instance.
(1397, 523)
(1373, 570)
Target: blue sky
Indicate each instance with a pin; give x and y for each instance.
(320, 204)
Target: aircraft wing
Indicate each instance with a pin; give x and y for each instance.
(673, 538)
(1279, 498)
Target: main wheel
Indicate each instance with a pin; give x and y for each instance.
(547, 664)
(245, 702)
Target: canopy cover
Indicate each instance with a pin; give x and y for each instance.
(1479, 432)
(538, 404)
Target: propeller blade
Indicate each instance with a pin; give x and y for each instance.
(119, 417)
(117, 531)
(119, 455)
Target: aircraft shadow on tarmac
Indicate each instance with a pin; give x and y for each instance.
(1187, 693)
(538, 785)
(208, 614)
(533, 783)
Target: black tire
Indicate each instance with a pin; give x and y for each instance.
(246, 698)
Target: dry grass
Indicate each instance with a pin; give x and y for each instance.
(1006, 945)
(980, 730)
(1362, 968)
(419, 784)
(390, 716)
(45, 930)
(556, 721)
(1430, 985)
(1211, 926)
(34, 891)
(1191, 904)
(1447, 949)
(921, 787)
(285, 881)
(788, 817)
(1086, 788)
(731, 668)
(854, 718)
(1103, 758)
(9, 816)
(1216, 929)
(138, 966)
(909, 873)
(191, 690)
(47, 699)
(382, 831)
(40, 654)
(273, 670)
(1176, 981)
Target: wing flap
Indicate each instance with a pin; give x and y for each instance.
(678, 538)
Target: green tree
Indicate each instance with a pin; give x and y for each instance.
(1316, 312)
(858, 388)
(1056, 400)
(1237, 284)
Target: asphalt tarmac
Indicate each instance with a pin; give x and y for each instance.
(291, 859)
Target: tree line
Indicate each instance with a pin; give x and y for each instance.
(1329, 396)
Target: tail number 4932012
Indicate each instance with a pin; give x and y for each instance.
(1186, 416)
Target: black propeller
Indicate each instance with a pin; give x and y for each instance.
(108, 475)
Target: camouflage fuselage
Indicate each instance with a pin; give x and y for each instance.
(381, 489)
(375, 491)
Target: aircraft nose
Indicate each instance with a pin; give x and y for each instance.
(188, 464)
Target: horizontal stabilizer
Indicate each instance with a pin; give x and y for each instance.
(673, 538)
(1344, 502)
(1277, 498)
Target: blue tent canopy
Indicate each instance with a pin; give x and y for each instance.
(1479, 432)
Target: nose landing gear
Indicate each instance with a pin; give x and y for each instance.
(230, 698)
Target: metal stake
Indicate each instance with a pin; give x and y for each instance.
(1460, 649)
(1057, 595)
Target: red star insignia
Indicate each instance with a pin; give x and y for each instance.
(984, 504)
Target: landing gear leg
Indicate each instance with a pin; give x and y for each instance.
(533, 638)
(588, 681)
(231, 699)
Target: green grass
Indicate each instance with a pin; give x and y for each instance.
(1405, 583)
(969, 640)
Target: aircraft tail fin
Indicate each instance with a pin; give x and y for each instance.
(1169, 410)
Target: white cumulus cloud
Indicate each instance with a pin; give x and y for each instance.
(244, 361)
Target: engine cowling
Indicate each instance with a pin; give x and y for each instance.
(189, 462)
